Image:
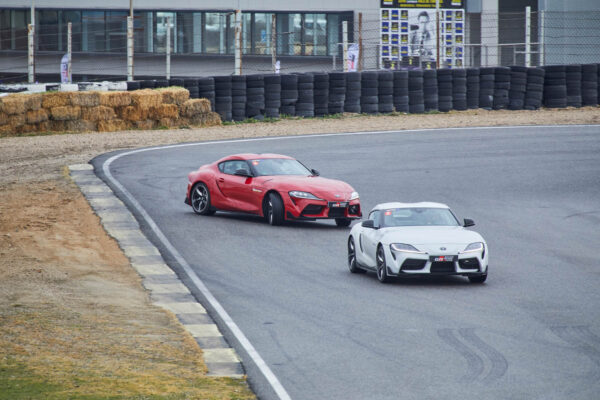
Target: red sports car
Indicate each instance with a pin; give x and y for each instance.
(274, 186)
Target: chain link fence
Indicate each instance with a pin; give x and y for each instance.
(204, 43)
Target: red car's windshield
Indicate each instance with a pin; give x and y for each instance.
(278, 166)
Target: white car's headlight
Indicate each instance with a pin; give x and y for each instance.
(303, 195)
(354, 196)
(473, 247)
(406, 248)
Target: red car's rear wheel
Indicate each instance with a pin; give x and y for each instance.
(200, 199)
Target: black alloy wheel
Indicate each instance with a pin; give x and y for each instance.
(352, 264)
(274, 209)
(200, 199)
(478, 279)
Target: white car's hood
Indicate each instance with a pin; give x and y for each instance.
(430, 235)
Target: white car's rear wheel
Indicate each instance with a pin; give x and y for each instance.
(381, 266)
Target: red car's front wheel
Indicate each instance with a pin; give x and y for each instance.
(274, 209)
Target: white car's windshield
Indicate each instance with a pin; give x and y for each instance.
(418, 217)
(278, 166)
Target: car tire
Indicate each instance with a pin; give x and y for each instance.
(478, 279)
(343, 222)
(200, 199)
(352, 264)
(274, 209)
(381, 266)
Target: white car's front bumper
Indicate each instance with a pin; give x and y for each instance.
(440, 263)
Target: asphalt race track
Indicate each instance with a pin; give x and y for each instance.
(532, 331)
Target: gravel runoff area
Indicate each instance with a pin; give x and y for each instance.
(75, 320)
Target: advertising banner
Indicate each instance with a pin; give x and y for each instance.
(353, 57)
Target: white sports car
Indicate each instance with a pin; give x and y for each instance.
(416, 239)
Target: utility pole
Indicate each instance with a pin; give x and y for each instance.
(69, 49)
(31, 46)
(437, 33)
(130, 42)
(273, 33)
(168, 48)
(238, 43)
(345, 44)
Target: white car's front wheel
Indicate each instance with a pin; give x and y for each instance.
(478, 279)
(381, 266)
(352, 264)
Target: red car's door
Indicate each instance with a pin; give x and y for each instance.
(236, 189)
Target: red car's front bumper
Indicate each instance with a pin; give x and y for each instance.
(308, 209)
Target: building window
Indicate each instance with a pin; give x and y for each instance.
(214, 33)
(116, 24)
(315, 36)
(93, 31)
(74, 17)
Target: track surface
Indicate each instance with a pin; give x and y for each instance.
(532, 331)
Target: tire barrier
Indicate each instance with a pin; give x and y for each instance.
(238, 97)
(255, 96)
(305, 107)
(430, 90)
(385, 92)
(486, 88)
(223, 101)
(206, 90)
(147, 84)
(272, 95)
(161, 83)
(401, 91)
(501, 88)
(459, 89)
(289, 94)
(337, 92)
(321, 93)
(518, 87)
(573, 74)
(555, 86)
(133, 85)
(353, 92)
(589, 84)
(176, 82)
(472, 88)
(369, 92)
(191, 84)
(534, 93)
(416, 98)
(444, 81)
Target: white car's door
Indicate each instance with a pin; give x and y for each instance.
(369, 237)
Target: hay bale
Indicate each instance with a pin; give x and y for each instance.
(43, 126)
(33, 102)
(146, 98)
(195, 106)
(97, 113)
(6, 131)
(16, 120)
(27, 128)
(205, 119)
(37, 116)
(57, 126)
(85, 99)
(80, 126)
(14, 104)
(164, 111)
(56, 99)
(168, 122)
(113, 125)
(3, 118)
(115, 99)
(145, 125)
(131, 113)
(176, 96)
(65, 113)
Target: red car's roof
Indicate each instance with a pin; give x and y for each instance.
(253, 156)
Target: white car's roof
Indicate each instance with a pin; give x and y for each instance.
(423, 204)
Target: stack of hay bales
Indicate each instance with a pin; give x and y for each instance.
(103, 111)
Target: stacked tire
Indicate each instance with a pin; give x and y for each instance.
(206, 90)
(133, 85)
(555, 86)
(161, 83)
(238, 97)
(255, 97)
(573, 73)
(430, 90)
(147, 84)
(589, 84)
(223, 101)
(416, 97)
(337, 92)
(272, 95)
(191, 84)
(353, 91)
(321, 94)
(445, 92)
(486, 87)
(289, 94)
(534, 93)
(385, 92)
(472, 88)
(176, 82)
(305, 106)
(401, 91)
(369, 93)
(501, 88)
(459, 89)
(518, 87)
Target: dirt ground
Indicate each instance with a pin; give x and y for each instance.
(74, 318)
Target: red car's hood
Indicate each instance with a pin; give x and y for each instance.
(323, 188)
